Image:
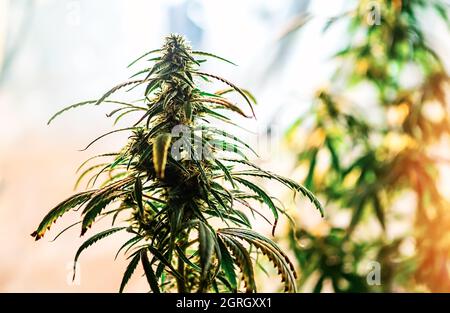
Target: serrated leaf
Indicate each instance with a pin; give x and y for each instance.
(243, 260)
(207, 54)
(129, 271)
(265, 198)
(93, 240)
(149, 273)
(59, 210)
(269, 248)
(131, 242)
(164, 261)
(227, 264)
(143, 56)
(226, 172)
(258, 172)
(101, 199)
(231, 85)
(187, 109)
(116, 88)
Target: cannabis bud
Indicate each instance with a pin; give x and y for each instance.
(181, 186)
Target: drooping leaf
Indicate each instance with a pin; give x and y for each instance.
(243, 260)
(59, 210)
(227, 264)
(261, 193)
(116, 88)
(271, 250)
(93, 240)
(143, 56)
(231, 85)
(100, 199)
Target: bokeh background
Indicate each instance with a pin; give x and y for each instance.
(54, 53)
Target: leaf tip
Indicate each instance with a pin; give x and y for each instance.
(36, 235)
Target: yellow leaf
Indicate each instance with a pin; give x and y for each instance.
(160, 149)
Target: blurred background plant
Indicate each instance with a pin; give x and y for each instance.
(364, 159)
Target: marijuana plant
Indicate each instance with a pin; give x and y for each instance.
(183, 184)
(370, 166)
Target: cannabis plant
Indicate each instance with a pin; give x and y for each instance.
(370, 166)
(183, 186)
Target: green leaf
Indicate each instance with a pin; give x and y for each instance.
(223, 102)
(149, 273)
(101, 199)
(283, 180)
(93, 240)
(269, 248)
(205, 248)
(104, 135)
(143, 56)
(186, 260)
(59, 210)
(76, 105)
(226, 172)
(231, 85)
(95, 206)
(116, 88)
(69, 108)
(227, 264)
(129, 271)
(309, 181)
(335, 163)
(87, 171)
(261, 193)
(129, 243)
(227, 135)
(319, 284)
(248, 93)
(157, 254)
(95, 157)
(207, 54)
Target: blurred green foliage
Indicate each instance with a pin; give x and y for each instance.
(365, 167)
